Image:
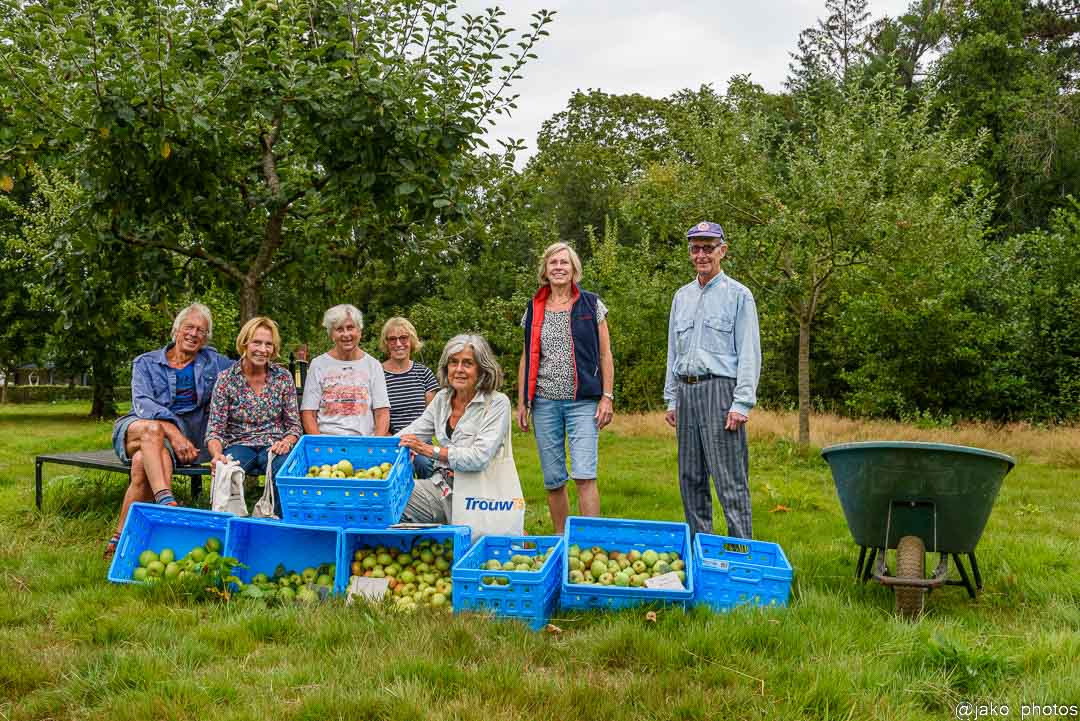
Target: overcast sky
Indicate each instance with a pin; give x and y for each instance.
(652, 47)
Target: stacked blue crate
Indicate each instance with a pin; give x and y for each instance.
(345, 502)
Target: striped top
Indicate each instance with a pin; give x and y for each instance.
(406, 391)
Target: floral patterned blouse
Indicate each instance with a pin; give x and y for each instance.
(240, 416)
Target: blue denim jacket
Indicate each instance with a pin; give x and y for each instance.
(714, 330)
(153, 388)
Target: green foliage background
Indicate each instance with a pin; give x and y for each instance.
(906, 203)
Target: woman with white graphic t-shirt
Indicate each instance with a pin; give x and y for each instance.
(345, 392)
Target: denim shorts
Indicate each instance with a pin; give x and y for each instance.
(119, 441)
(557, 422)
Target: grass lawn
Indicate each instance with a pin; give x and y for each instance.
(76, 647)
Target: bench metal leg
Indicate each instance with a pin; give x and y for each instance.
(196, 487)
(37, 483)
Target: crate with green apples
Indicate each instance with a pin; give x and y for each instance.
(612, 567)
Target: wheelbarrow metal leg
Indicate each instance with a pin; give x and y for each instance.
(868, 569)
(975, 571)
(963, 575)
(859, 565)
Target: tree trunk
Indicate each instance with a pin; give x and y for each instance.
(104, 383)
(250, 294)
(804, 380)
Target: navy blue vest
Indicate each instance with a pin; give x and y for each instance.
(584, 335)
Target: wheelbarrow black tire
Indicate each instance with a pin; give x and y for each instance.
(910, 563)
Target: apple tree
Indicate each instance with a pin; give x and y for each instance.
(256, 138)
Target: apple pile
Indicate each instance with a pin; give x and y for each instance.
(614, 568)
(155, 566)
(419, 577)
(516, 562)
(344, 469)
(308, 586)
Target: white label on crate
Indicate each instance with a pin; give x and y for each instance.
(371, 589)
(715, 564)
(666, 581)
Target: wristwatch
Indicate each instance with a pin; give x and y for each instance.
(610, 397)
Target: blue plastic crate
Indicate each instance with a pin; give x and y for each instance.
(353, 539)
(149, 526)
(262, 544)
(621, 534)
(345, 502)
(530, 596)
(731, 572)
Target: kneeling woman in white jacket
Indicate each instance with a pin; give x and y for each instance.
(469, 418)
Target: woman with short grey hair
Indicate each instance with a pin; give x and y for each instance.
(345, 392)
(469, 417)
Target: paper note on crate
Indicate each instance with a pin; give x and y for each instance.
(367, 588)
(666, 581)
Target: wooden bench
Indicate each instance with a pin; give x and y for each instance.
(107, 461)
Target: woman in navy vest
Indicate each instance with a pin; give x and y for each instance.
(565, 379)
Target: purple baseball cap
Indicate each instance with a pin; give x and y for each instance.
(705, 229)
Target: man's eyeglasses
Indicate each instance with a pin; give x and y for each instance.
(397, 340)
(193, 330)
(703, 249)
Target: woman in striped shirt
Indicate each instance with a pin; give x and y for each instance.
(409, 385)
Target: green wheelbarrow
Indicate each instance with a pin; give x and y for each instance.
(916, 498)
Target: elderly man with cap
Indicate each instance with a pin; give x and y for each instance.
(713, 364)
